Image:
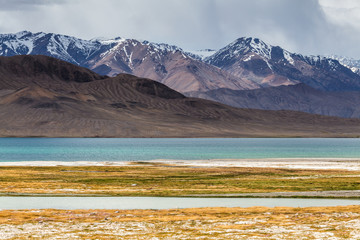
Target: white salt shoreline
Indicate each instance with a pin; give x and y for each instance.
(351, 164)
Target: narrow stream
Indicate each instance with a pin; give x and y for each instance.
(16, 203)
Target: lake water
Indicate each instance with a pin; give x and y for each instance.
(160, 202)
(137, 149)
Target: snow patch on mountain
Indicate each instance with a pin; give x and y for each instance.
(351, 63)
(113, 45)
(287, 56)
(163, 46)
(261, 48)
(202, 53)
(22, 34)
(249, 57)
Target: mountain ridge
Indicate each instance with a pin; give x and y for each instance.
(245, 64)
(48, 104)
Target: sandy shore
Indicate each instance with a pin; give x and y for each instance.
(350, 164)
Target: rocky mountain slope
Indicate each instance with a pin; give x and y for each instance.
(164, 63)
(299, 97)
(43, 96)
(252, 59)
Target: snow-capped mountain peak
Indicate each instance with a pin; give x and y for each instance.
(274, 66)
(254, 45)
(248, 44)
(244, 48)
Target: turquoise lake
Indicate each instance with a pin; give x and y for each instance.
(137, 149)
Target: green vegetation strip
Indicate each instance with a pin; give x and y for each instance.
(168, 180)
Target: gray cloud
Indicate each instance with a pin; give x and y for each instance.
(16, 5)
(306, 26)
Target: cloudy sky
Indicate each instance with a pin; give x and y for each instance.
(303, 26)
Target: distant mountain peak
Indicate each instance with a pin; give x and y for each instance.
(242, 48)
(351, 63)
(249, 44)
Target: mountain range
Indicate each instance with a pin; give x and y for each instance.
(164, 63)
(233, 75)
(46, 97)
(268, 65)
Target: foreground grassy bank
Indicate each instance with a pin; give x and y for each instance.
(202, 223)
(150, 179)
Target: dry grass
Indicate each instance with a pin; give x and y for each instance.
(202, 223)
(166, 180)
